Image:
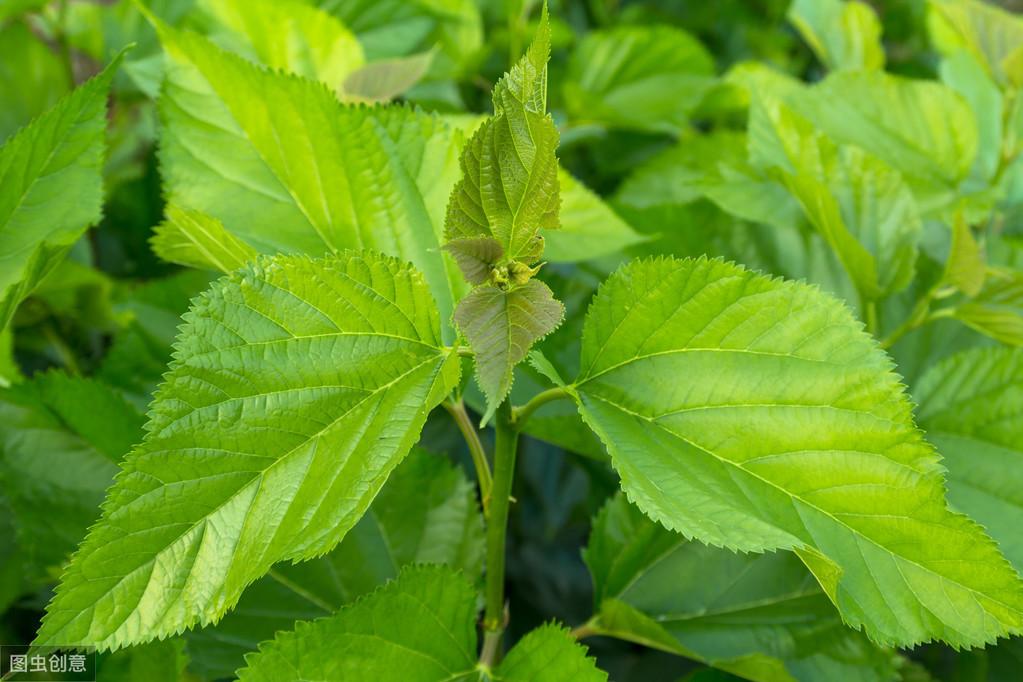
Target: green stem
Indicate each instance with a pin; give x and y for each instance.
(479, 454)
(587, 629)
(870, 316)
(505, 449)
(522, 413)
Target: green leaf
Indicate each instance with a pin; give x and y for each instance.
(383, 80)
(399, 28)
(961, 72)
(51, 175)
(843, 35)
(195, 239)
(296, 388)
(427, 512)
(286, 168)
(60, 439)
(638, 77)
(760, 616)
(32, 77)
(965, 268)
(589, 227)
(418, 628)
(713, 166)
(972, 408)
(997, 311)
(755, 414)
(992, 35)
(509, 186)
(856, 201)
(288, 35)
(501, 326)
(924, 129)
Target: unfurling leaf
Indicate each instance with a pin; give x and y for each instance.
(654, 587)
(755, 414)
(509, 186)
(296, 388)
(418, 628)
(501, 326)
(51, 188)
(195, 239)
(507, 194)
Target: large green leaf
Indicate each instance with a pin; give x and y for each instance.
(972, 408)
(296, 388)
(843, 34)
(427, 512)
(755, 414)
(286, 168)
(760, 616)
(638, 77)
(289, 35)
(418, 628)
(51, 188)
(60, 440)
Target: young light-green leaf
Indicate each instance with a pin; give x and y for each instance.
(760, 616)
(418, 628)
(972, 407)
(51, 188)
(755, 414)
(296, 388)
(509, 186)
